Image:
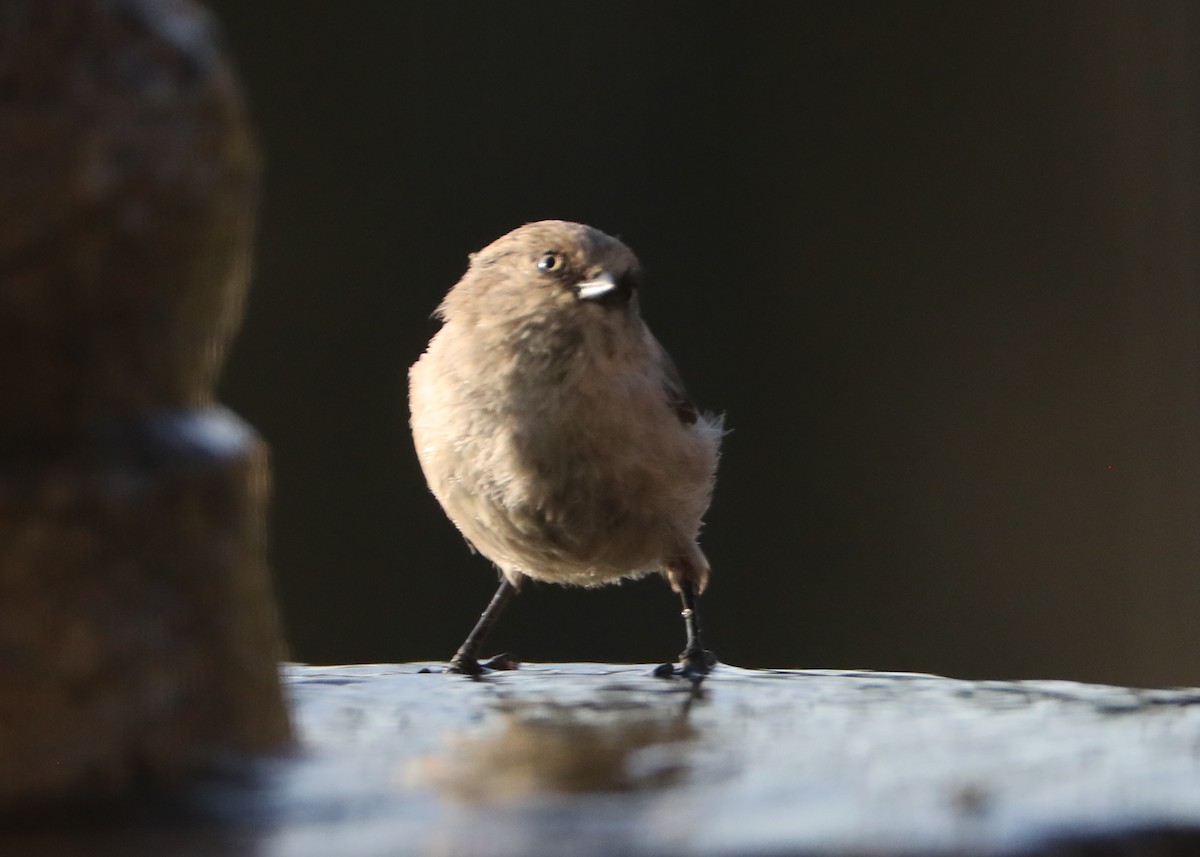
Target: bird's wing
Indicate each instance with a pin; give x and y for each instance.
(677, 396)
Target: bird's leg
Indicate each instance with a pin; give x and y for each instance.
(466, 659)
(694, 660)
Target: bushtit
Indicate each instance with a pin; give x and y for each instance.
(554, 430)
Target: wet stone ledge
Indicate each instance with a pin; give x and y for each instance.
(592, 759)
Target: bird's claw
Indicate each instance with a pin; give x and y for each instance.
(469, 666)
(693, 665)
(505, 661)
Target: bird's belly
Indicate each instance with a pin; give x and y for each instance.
(584, 532)
(570, 515)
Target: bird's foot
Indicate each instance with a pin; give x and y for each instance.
(505, 661)
(693, 665)
(469, 666)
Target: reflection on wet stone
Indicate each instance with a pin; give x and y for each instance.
(544, 748)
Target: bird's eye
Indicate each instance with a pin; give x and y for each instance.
(549, 262)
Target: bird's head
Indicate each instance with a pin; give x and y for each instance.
(547, 268)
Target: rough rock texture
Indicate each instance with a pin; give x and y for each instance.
(138, 638)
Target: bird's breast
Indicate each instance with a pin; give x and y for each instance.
(563, 461)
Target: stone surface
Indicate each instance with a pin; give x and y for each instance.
(590, 759)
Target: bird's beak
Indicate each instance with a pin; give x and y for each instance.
(596, 288)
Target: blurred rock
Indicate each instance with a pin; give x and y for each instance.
(138, 636)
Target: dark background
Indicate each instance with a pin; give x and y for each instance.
(937, 263)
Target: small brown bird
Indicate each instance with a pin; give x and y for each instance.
(554, 430)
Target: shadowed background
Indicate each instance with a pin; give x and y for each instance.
(936, 262)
